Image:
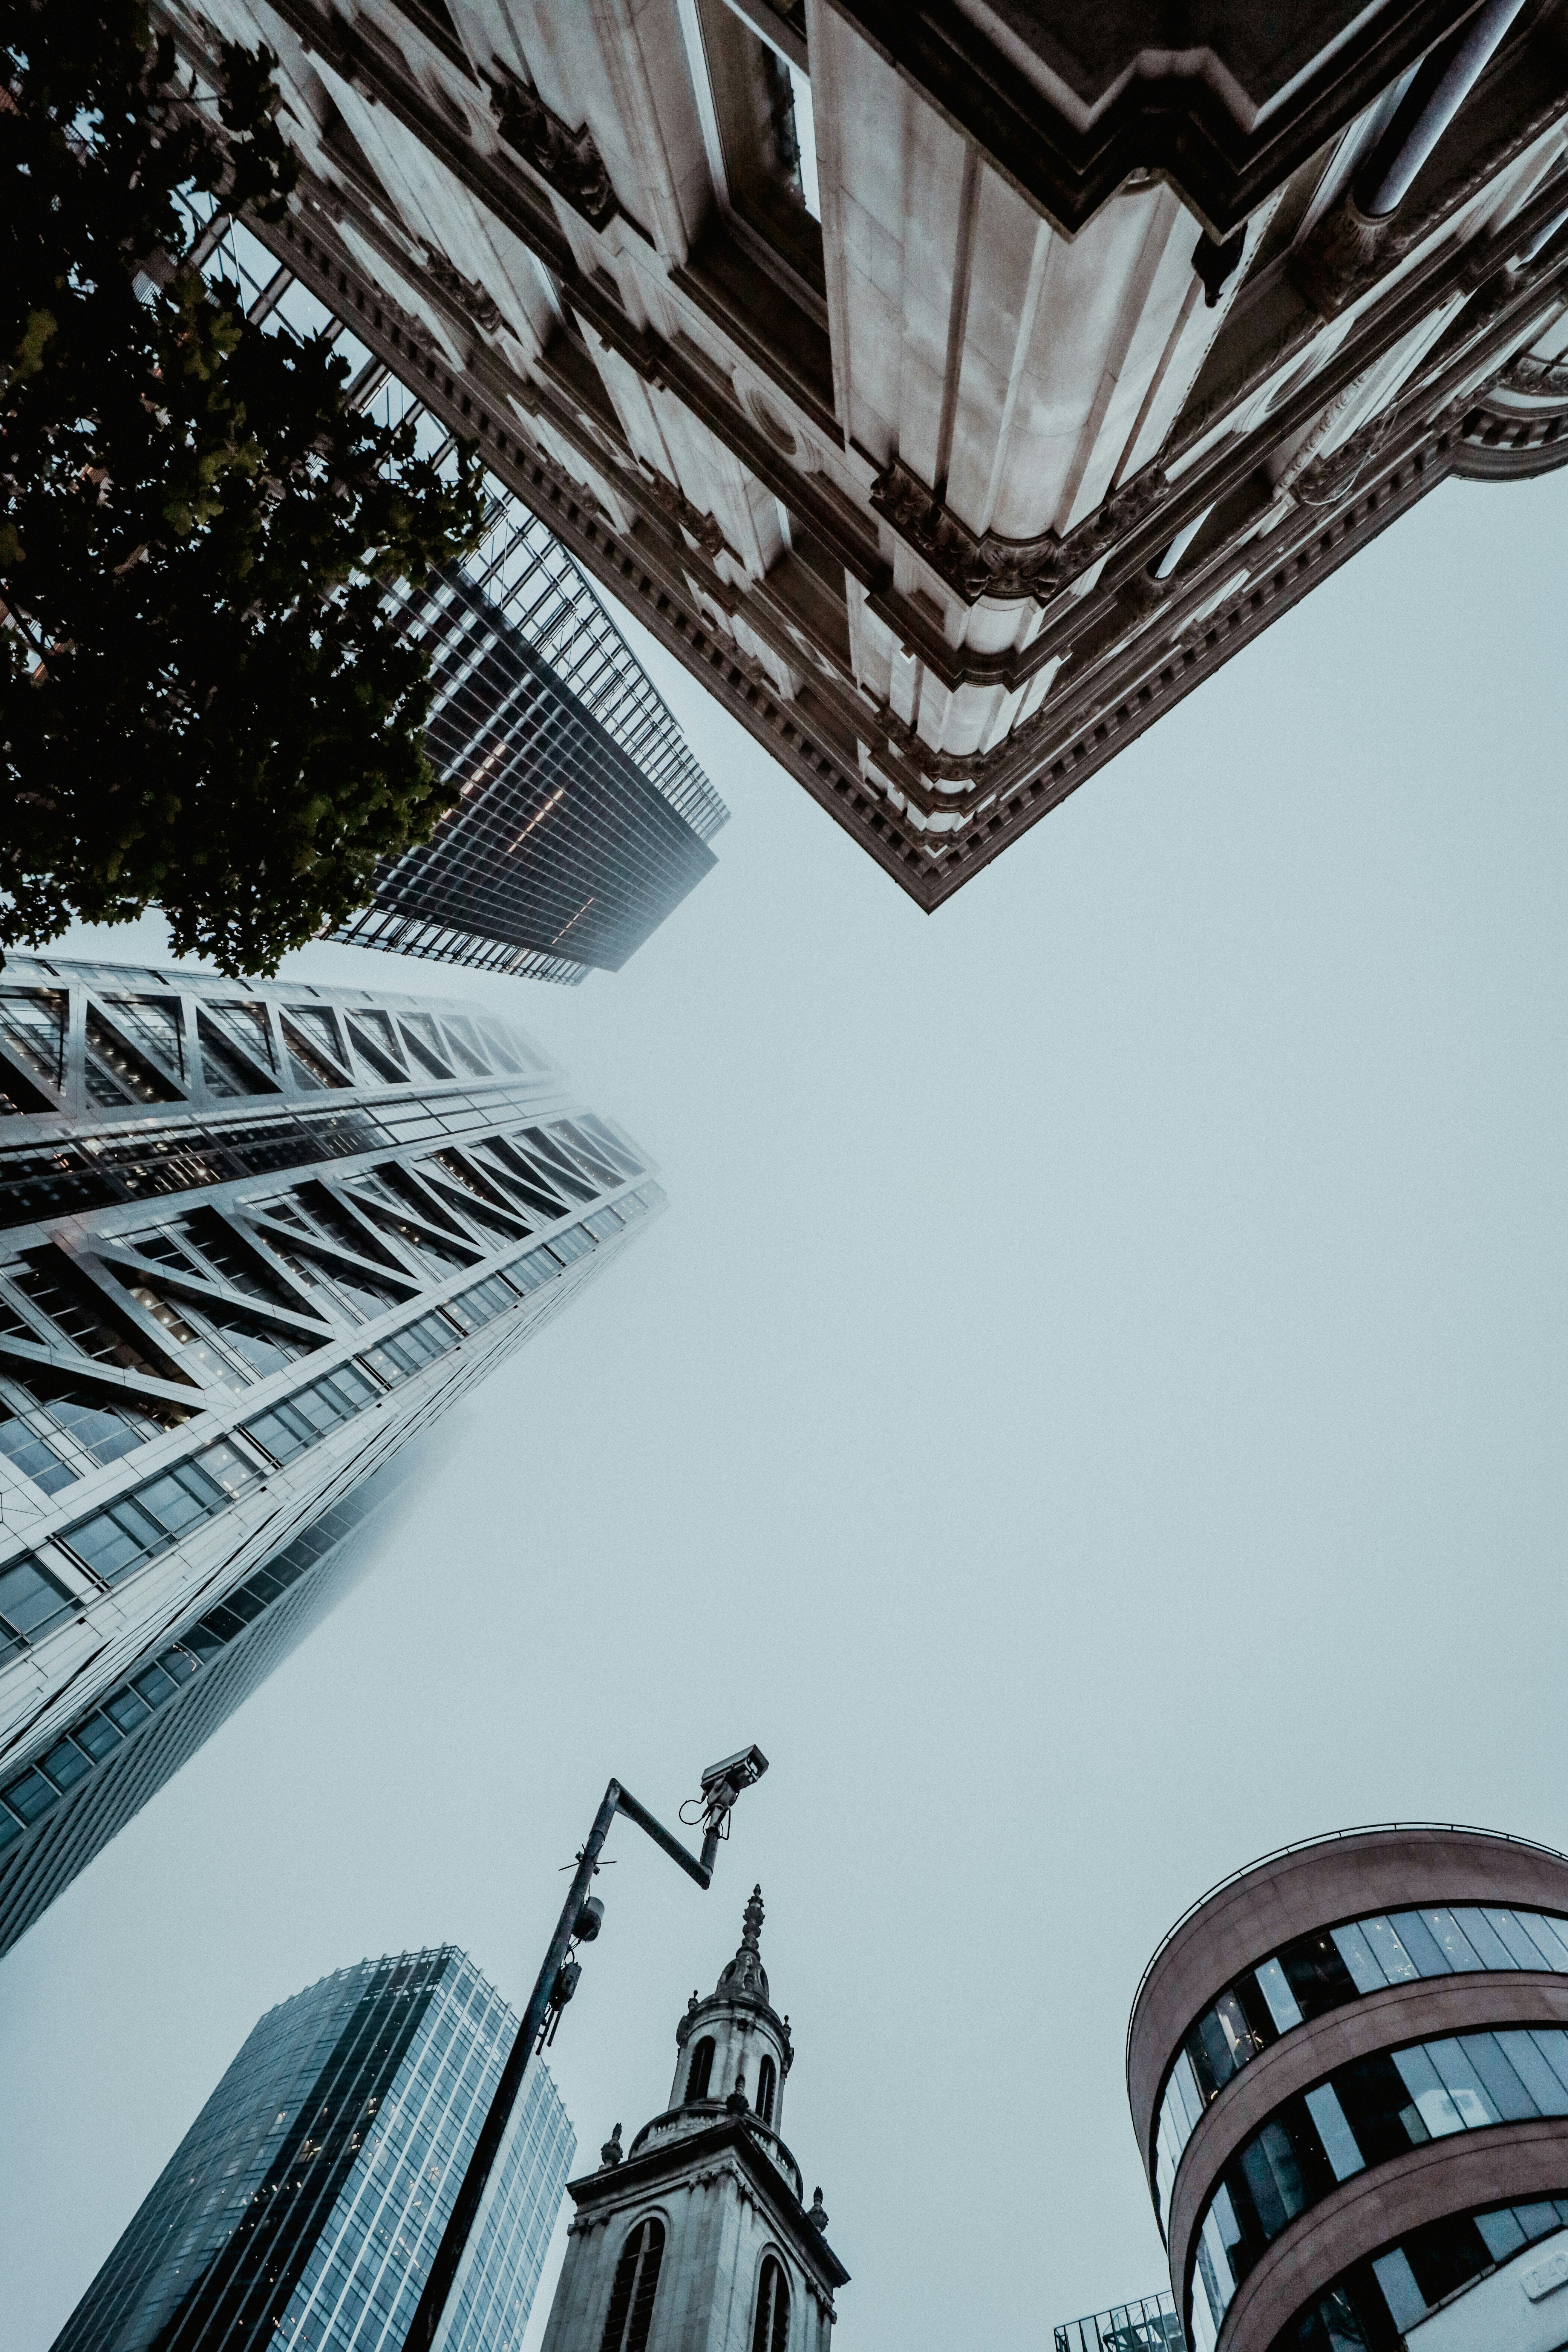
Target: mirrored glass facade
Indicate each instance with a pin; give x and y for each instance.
(303, 2207)
(1346, 2130)
(253, 1242)
(584, 818)
(1372, 2305)
(1366, 2114)
(1320, 1972)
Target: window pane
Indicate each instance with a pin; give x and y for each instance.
(1356, 1953)
(1513, 1935)
(227, 1468)
(1418, 1940)
(30, 1600)
(1552, 1935)
(1187, 2091)
(1462, 2083)
(97, 1736)
(1553, 2044)
(1451, 1939)
(1502, 2234)
(1489, 2056)
(125, 1710)
(31, 1796)
(65, 1764)
(154, 1684)
(1396, 1962)
(1430, 2096)
(1339, 2142)
(1492, 1951)
(1530, 2064)
(172, 1503)
(1283, 2006)
(1405, 2302)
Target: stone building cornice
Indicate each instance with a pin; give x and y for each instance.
(729, 2149)
(1224, 114)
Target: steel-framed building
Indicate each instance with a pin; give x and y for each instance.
(304, 2205)
(253, 1239)
(584, 820)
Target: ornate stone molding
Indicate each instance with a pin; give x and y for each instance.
(470, 298)
(709, 534)
(567, 160)
(1007, 568)
(1542, 379)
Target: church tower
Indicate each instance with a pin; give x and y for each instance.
(698, 2239)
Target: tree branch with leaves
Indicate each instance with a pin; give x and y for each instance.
(205, 705)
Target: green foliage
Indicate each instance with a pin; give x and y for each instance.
(203, 705)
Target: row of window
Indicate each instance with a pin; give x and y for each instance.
(1365, 2114)
(31, 1794)
(55, 1432)
(220, 1343)
(67, 1176)
(1322, 1971)
(635, 2284)
(1371, 2306)
(139, 1527)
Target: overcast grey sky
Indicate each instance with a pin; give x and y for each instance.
(1094, 1412)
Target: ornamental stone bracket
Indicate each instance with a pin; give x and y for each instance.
(469, 296)
(706, 530)
(1008, 569)
(566, 161)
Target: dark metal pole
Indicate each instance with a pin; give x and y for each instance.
(455, 2237)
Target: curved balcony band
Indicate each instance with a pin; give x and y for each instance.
(1345, 2061)
(1325, 1971)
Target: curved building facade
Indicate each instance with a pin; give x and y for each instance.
(1348, 2071)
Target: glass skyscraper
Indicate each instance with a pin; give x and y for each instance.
(253, 1239)
(584, 819)
(302, 2208)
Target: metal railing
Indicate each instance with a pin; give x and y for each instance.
(1151, 2326)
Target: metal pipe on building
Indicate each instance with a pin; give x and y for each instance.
(1164, 564)
(1435, 96)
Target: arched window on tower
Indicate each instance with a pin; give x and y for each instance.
(634, 2286)
(767, 2085)
(771, 2333)
(699, 2074)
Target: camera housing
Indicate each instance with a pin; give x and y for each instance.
(738, 1772)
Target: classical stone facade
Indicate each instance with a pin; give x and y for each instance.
(698, 2239)
(951, 387)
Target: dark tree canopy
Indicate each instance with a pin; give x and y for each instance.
(203, 705)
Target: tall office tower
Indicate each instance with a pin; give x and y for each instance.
(256, 1238)
(953, 385)
(303, 2206)
(1348, 2069)
(584, 819)
(699, 2234)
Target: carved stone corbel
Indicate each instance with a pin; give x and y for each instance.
(567, 160)
(1008, 569)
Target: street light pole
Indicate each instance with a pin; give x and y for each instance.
(721, 1784)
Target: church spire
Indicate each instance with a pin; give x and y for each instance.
(745, 1973)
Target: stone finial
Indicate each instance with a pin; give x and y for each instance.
(817, 2216)
(612, 2152)
(753, 1926)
